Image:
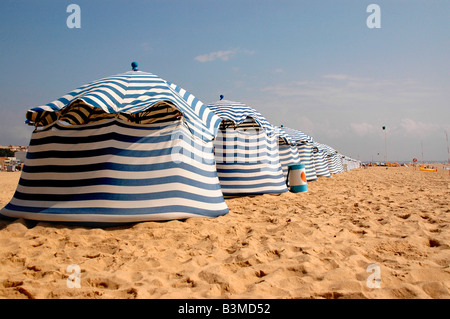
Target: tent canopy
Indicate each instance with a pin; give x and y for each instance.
(297, 136)
(135, 96)
(283, 137)
(239, 114)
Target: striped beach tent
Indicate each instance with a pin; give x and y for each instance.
(305, 150)
(287, 149)
(320, 162)
(350, 163)
(353, 163)
(339, 162)
(332, 159)
(126, 148)
(347, 163)
(246, 151)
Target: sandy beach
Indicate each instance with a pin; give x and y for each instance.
(320, 244)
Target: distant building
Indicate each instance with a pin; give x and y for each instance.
(21, 156)
(17, 148)
(4, 163)
(13, 163)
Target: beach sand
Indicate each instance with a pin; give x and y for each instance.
(318, 244)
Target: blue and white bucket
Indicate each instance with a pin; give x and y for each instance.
(296, 178)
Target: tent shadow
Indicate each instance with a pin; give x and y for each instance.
(250, 195)
(29, 224)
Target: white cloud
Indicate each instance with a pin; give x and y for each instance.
(363, 129)
(248, 52)
(351, 92)
(223, 55)
(406, 127)
(146, 46)
(295, 88)
(417, 128)
(344, 77)
(305, 124)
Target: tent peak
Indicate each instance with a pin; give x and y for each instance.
(221, 96)
(134, 66)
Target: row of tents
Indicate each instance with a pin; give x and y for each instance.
(134, 147)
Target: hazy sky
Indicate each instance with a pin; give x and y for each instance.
(311, 65)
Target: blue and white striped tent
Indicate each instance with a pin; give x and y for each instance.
(288, 150)
(351, 163)
(333, 160)
(320, 161)
(305, 149)
(127, 148)
(340, 165)
(346, 163)
(246, 151)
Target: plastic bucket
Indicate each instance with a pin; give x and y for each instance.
(296, 179)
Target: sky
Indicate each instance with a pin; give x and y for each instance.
(314, 66)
